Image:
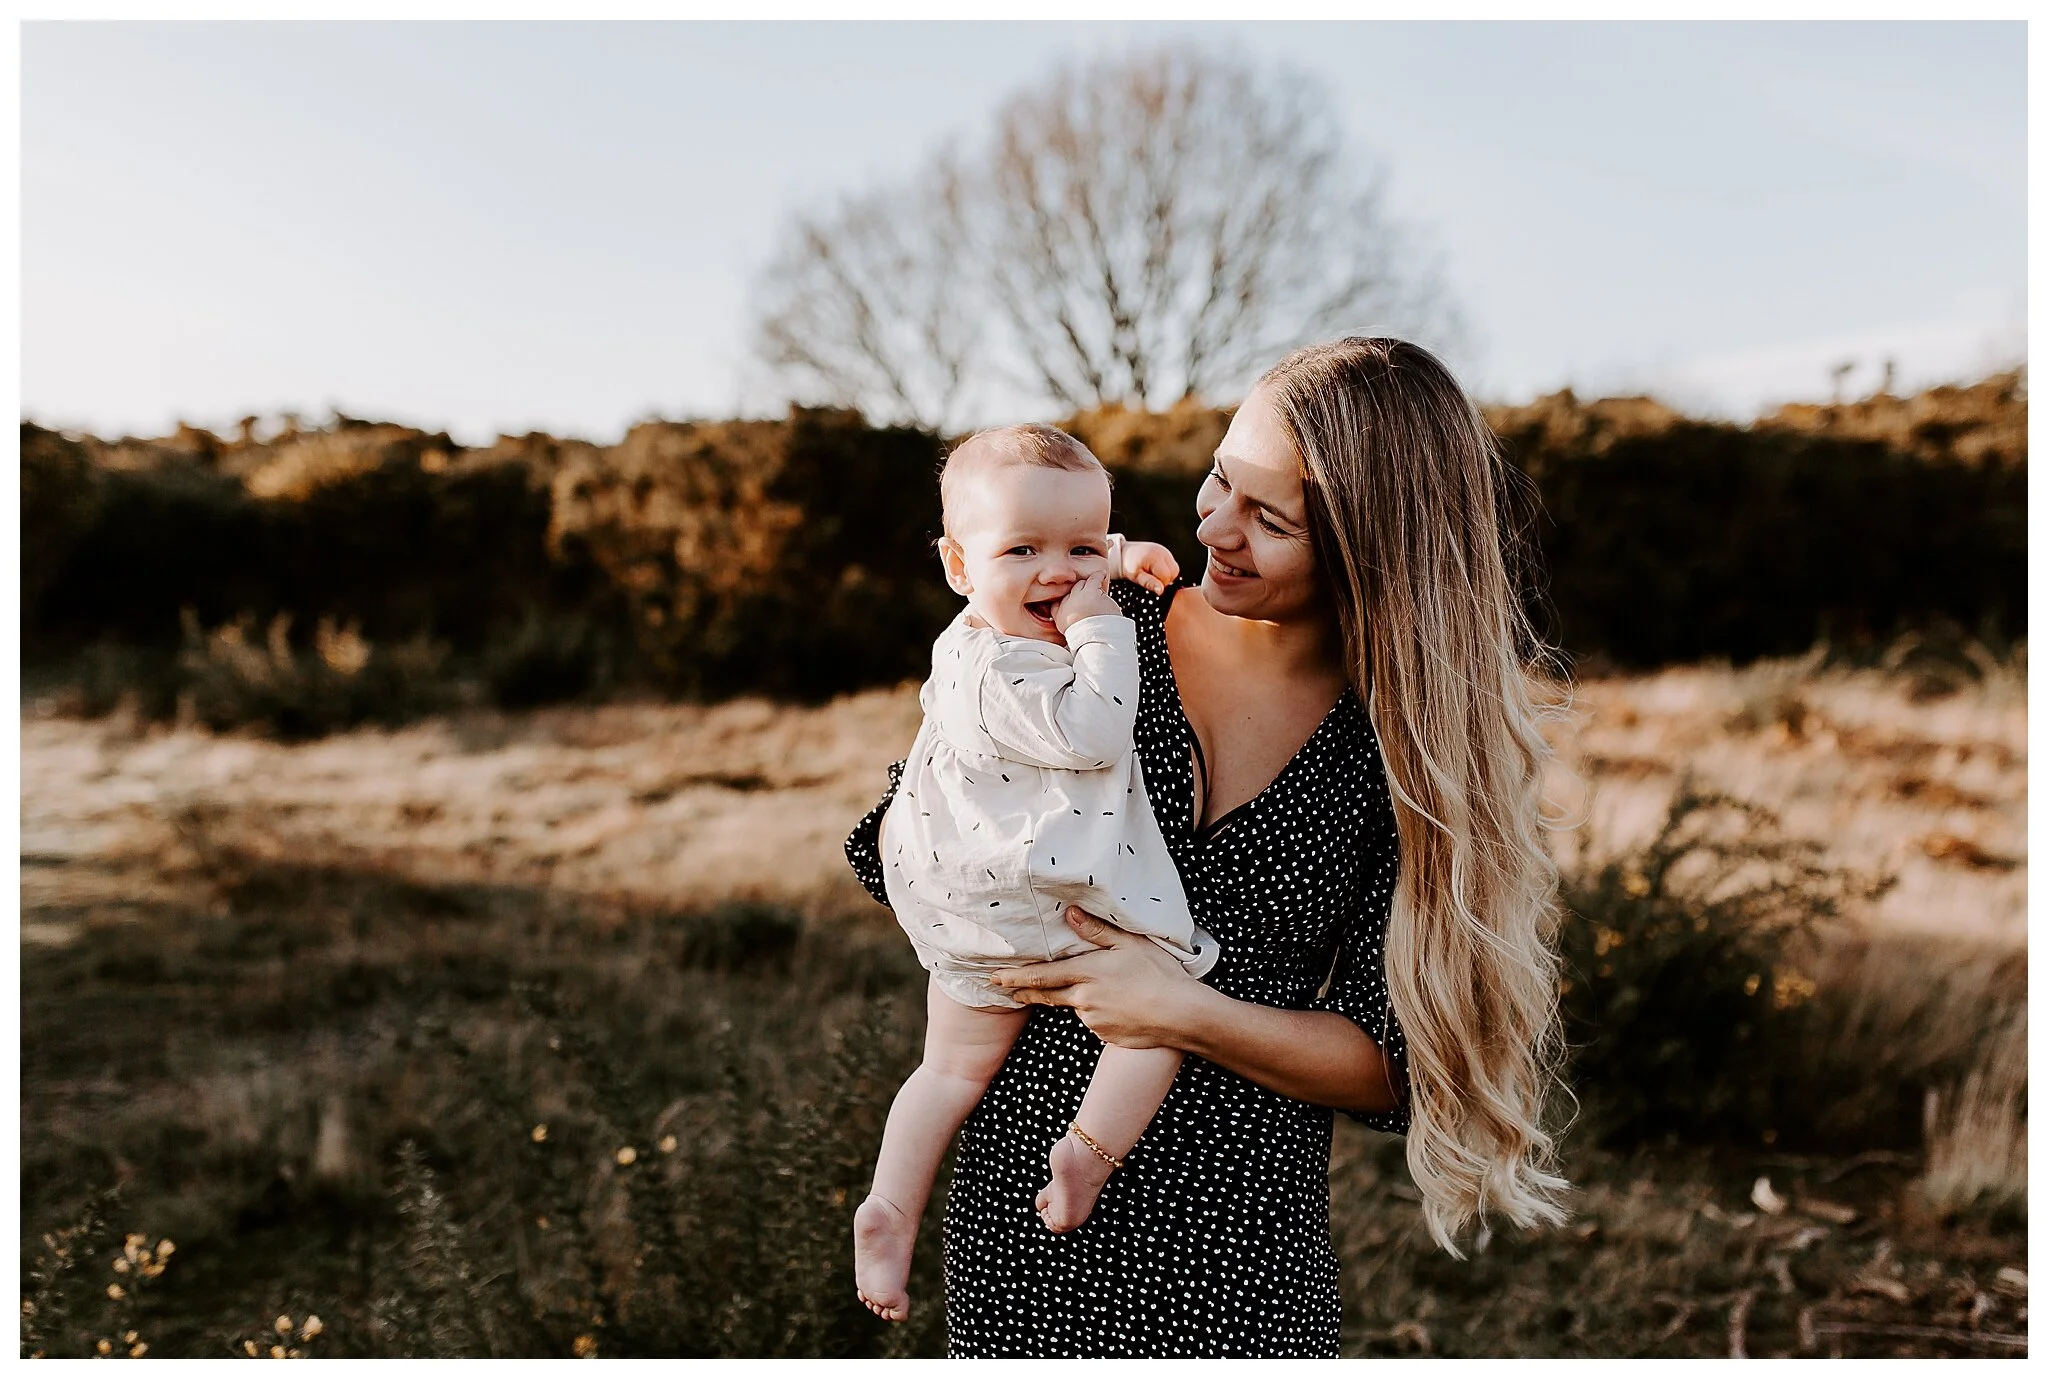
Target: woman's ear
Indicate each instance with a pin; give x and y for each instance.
(955, 561)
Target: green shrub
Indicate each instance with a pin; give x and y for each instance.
(1683, 999)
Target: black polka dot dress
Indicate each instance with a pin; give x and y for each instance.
(1214, 1238)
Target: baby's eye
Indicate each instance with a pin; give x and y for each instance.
(1086, 550)
(1018, 550)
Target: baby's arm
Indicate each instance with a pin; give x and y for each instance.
(1043, 709)
(1146, 564)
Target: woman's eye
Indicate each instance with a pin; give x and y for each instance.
(1270, 525)
(1216, 473)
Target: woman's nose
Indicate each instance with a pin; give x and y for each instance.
(1216, 529)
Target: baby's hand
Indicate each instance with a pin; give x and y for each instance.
(1146, 564)
(1088, 599)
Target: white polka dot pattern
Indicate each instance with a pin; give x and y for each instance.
(1214, 1239)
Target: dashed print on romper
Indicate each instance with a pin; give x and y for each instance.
(1213, 1239)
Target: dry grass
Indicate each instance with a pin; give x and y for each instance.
(1977, 1132)
(1891, 775)
(749, 799)
(253, 971)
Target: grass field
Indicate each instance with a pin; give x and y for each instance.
(568, 1032)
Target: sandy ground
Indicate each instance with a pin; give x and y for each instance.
(683, 805)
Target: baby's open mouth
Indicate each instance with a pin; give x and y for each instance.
(1042, 610)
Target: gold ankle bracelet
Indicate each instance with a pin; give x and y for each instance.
(1103, 1154)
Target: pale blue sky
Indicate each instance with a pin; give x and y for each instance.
(497, 227)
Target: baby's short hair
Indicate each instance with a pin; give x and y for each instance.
(1030, 443)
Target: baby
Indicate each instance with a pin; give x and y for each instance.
(1021, 796)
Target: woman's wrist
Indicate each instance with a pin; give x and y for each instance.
(1194, 1018)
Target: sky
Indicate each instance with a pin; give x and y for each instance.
(492, 228)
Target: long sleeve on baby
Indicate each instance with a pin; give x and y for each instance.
(1071, 710)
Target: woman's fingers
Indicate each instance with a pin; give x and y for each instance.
(1039, 976)
(1099, 932)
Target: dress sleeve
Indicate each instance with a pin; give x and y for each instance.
(1145, 609)
(864, 844)
(1358, 989)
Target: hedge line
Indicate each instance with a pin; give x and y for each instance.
(794, 556)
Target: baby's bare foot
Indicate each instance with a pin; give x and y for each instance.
(1077, 1179)
(882, 1241)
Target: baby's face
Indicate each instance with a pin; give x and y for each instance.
(1022, 536)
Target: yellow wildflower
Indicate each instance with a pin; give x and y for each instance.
(164, 1248)
(138, 1350)
(668, 1144)
(540, 1132)
(249, 1349)
(282, 1325)
(120, 1266)
(277, 1352)
(116, 1291)
(129, 1337)
(1751, 983)
(1790, 988)
(586, 1347)
(626, 1155)
(105, 1346)
(312, 1328)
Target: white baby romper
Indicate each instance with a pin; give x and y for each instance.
(1022, 795)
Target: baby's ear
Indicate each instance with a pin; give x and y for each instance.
(955, 561)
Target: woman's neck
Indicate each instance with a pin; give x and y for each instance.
(1302, 648)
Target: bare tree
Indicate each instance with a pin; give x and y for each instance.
(1138, 230)
(863, 306)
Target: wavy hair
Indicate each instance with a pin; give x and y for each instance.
(1407, 495)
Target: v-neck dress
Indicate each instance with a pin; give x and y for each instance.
(1214, 1238)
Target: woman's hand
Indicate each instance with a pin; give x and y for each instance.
(1130, 991)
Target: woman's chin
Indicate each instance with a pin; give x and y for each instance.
(1227, 594)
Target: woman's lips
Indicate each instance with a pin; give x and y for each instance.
(1218, 565)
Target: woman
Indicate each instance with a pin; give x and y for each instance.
(1343, 751)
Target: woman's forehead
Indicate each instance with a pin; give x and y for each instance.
(1258, 455)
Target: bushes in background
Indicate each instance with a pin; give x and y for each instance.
(1668, 539)
(794, 557)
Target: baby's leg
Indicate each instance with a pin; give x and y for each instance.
(1122, 1098)
(964, 1047)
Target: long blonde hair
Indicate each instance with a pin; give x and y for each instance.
(1405, 488)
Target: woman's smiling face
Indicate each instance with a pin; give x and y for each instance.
(1255, 522)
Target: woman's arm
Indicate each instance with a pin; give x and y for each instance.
(1132, 992)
